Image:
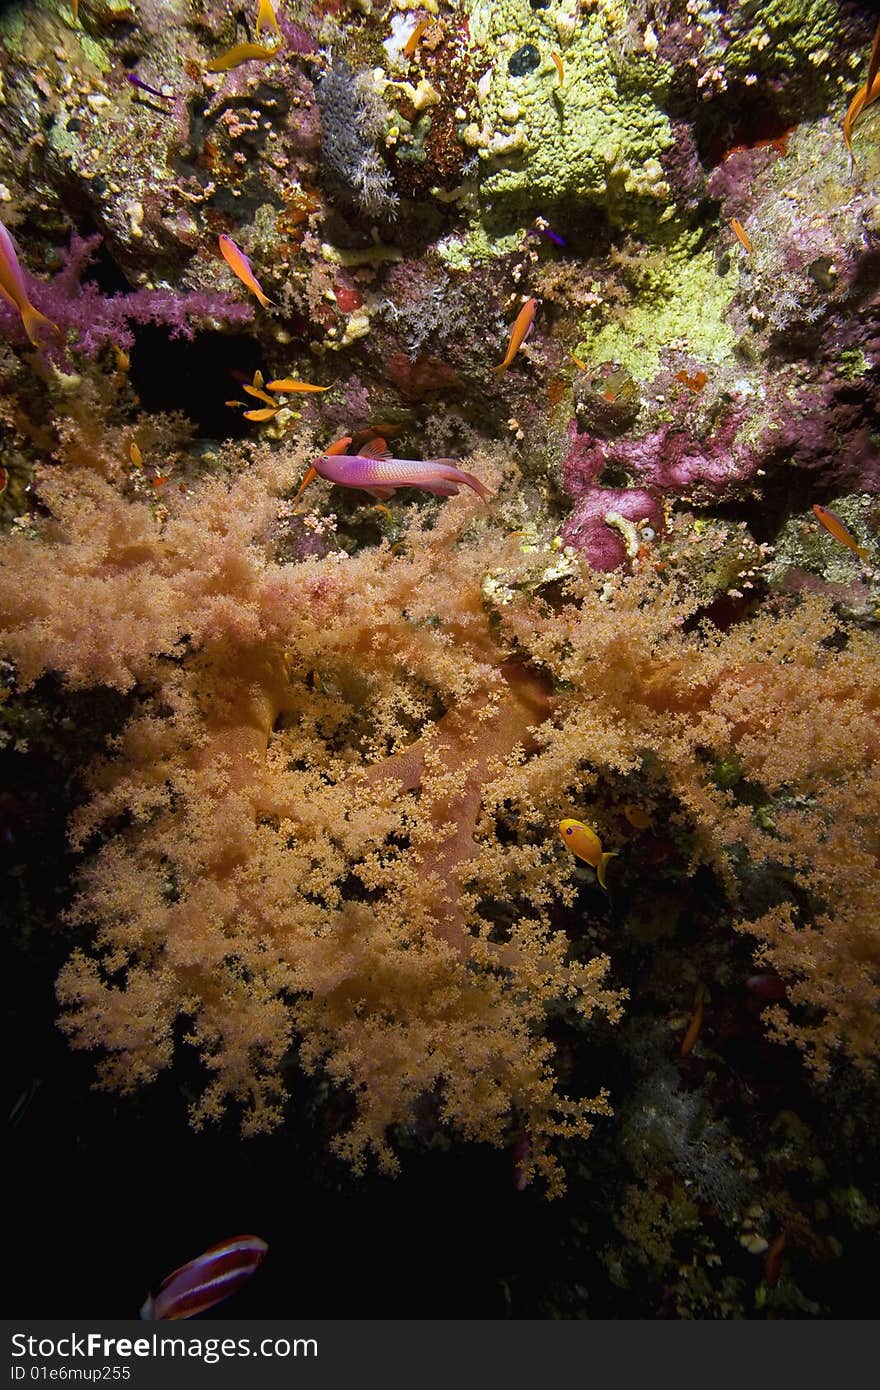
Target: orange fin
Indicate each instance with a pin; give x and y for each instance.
(311, 475)
(376, 449)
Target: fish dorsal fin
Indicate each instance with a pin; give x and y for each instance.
(376, 449)
(339, 446)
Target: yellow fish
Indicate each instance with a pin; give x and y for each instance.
(585, 844)
(288, 384)
(241, 53)
(741, 234)
(521, 328)
(260, 395)
(241, 266)
(266, 18)
(835, 527)
(865, 96)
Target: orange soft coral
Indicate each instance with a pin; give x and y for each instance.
(330, 821)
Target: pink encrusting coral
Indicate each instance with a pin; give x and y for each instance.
(667, 460)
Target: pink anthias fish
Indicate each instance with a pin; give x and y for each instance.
(14, 290)
(206, 1280)
(379, 474)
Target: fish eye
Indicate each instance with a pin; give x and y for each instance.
(568, 831)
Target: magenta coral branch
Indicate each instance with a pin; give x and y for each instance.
(90, 320)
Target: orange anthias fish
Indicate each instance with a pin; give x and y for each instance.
(241, 266)
(865, 96)
(773, 1260)
(14, 291)
(241, 53)
(695, 1025)
(835, 527)
(288, 384)
(585, 844)
(520, 331)
(412, 42)
(206, 1280)
(741, 234)
(266, 18)
(260, 395)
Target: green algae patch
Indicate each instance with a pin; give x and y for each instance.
(680, 303)
(786, 34)
(597, 134)
(476, 247)
(854, 364)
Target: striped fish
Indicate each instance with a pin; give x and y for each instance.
(206, 1280)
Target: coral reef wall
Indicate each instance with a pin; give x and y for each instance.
(321, 834)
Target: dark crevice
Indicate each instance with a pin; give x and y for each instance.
(196, 377)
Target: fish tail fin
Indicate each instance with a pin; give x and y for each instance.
(602, 866)
(479, 488)
(264, 299)
(863, 553)
(460, 477)
(37, 326)
(500, 370)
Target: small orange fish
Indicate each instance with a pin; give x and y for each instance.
(339, 447)
(874, 61)
(696, 1023)
(241, 266)
(560, 70)
(261, 415)
(578, 363)
(260, 395)
(521, 328)
(835, 527)
(288, 384)
(585, 844)
(865, 96)
(241, 53)
(412, 42)
(638, 818)
(741, 234)
(14, 290)
(267, 18)
(773, 1260)
(135, 455)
